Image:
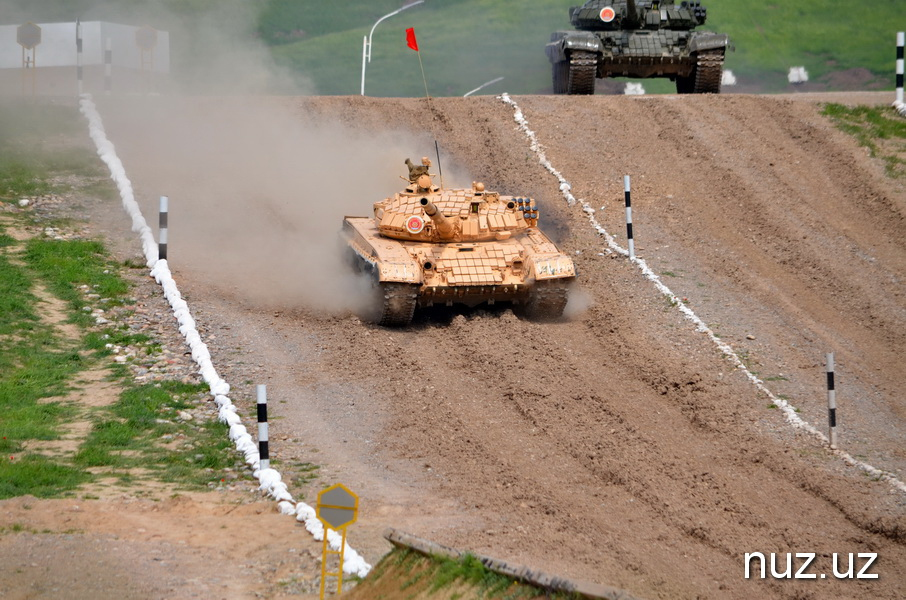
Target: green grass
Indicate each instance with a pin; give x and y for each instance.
(66, 265)
(468, 42)
(28, 158)
(37, 476)
(879, 129)
(416, 573)
(465, 43)
(16, 300)
(20, 178)
(469, 569)
(128, 436)
(36, 364)
(137, 437)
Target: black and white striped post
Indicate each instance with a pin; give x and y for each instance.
(265, 461)
(831, 401)
(628, 217)
(901, 41)
(162, 242)
(108, 67)
(78, 42)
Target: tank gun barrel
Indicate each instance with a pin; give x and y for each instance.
(632, 14)
(443, 224)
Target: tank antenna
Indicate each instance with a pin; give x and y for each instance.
(440, 171)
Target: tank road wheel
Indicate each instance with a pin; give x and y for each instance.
(708, 71)
(399, 301)
(561, 76)
(583, 66)
(546, 301)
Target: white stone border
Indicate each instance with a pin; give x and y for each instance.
(269, 479)
(788, 410)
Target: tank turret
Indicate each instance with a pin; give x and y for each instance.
(427, 244)
(637, 38)
(604, 15)
(424, 212)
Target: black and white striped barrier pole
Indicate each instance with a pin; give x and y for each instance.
(831, 401)
(898, 104)
(265, 461)
(108, 67)
(78, 42)
(162, 242)
(628, 217)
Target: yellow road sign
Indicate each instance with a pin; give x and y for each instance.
(28, 35)
(337, 506)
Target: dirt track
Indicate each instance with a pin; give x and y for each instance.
(618, 446)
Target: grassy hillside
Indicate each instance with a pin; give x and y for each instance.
(825, 36)
(465, 43)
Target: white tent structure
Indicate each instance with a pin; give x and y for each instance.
(138, 57)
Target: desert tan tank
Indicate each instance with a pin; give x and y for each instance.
(427, 245)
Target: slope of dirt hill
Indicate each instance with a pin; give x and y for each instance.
(617, 446)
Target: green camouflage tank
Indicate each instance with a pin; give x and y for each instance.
(640, 39)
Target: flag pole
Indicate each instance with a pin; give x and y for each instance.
(412, 42)
(427, 95)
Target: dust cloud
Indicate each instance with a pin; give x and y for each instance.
(258, 188)
(580, 301)
(258, 192)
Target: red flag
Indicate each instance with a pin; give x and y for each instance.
(410, 39)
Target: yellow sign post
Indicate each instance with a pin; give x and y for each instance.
(337, 508)
(28, 36)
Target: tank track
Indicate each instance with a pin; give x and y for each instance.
(399, 303)
(583, 66)
(547, 300)
(708, 71)
(561, 76)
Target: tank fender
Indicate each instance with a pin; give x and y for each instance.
(706, 40)
(385, 260)
(563, 43)
(556, 266)
(400, 271)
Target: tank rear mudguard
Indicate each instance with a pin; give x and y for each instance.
(564, 42)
